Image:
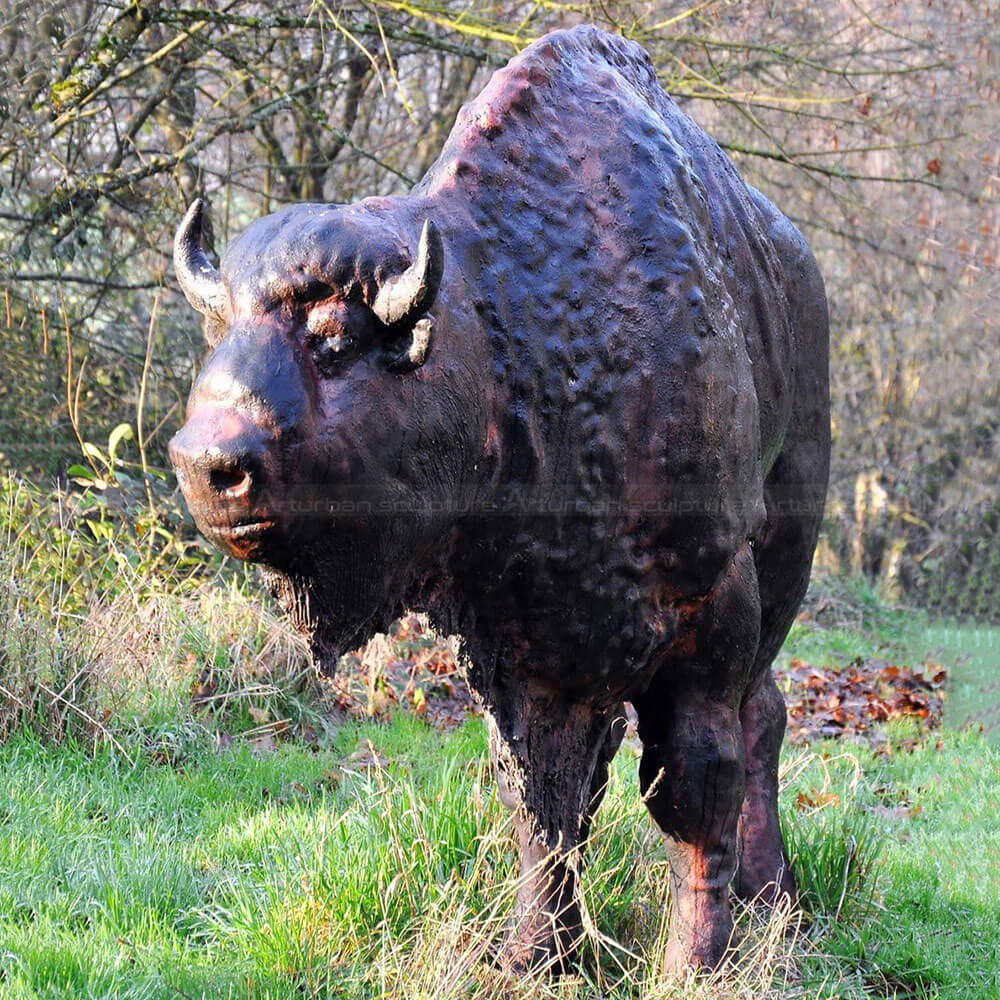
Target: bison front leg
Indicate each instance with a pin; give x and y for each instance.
(551, 756)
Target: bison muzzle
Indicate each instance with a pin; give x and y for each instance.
(570, 396)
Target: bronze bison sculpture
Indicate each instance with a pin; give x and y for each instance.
(570, 396)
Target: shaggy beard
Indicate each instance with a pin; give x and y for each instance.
(338, 590)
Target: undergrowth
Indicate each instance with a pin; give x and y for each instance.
(116, 632)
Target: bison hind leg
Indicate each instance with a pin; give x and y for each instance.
(764, 873)
(693, 767)
(783, 557)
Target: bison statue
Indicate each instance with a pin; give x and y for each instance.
(570, 396)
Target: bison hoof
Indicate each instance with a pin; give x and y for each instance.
(707, 953)
(533, 951)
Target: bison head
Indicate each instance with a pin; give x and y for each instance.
(308, 431)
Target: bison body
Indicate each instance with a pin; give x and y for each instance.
(570, 396)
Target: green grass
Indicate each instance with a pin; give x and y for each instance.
(844, 618)
(973, 655)
(383, 866)
(926, 914)
(236, 875)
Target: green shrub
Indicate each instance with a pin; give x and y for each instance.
(116, 628)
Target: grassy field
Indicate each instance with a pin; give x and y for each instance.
(381, 866)
(183, 813)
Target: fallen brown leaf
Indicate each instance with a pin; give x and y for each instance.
(824, 702)
(815, 799)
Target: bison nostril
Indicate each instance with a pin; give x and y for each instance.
(230, 482)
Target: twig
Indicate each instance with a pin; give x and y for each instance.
(845, 175)
(82, 279)
(85, 715)
(140, 408)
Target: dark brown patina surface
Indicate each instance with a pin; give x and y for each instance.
(570, 396)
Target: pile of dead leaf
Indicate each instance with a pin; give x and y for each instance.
(411, 668)
(414, 669)
(832, 703)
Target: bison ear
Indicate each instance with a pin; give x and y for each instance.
(415, 354)
(200, 282)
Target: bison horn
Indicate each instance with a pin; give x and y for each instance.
(199, 281)
(404, 298)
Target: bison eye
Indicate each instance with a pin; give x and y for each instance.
(331, 354)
